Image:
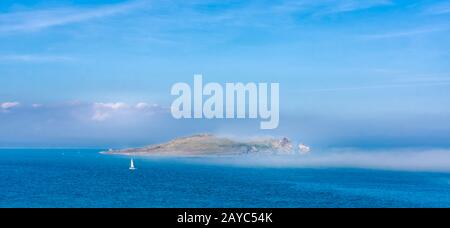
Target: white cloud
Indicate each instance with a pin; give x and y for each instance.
(36, 105)
(9, 105)
(103, 111)
(113, 106)
(143, 105)
(35, 20)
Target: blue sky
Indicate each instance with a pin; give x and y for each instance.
(98, 73)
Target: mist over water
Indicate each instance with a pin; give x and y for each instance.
(436, 160)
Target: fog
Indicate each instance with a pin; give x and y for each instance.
(436, 160)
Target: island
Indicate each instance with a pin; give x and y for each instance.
(210, 144)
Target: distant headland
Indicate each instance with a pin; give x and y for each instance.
(209, 144)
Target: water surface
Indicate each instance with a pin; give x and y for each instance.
(85, 178)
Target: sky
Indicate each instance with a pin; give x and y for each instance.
(372, 73)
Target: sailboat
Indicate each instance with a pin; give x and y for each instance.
(132, 165)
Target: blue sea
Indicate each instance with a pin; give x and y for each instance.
(85, 178)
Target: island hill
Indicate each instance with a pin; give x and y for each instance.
(209, 144)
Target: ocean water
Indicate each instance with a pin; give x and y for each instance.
(85, 178)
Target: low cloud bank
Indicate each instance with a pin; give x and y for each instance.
(392, 159)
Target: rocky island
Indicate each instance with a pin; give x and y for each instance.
(209, 144)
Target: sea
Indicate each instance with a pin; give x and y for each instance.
(73, 178)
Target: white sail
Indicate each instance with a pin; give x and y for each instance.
(132, 165)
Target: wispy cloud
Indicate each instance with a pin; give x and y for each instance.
(34, 20)
(382, 86)
(441, 8)
(340, 6)
(273, 14)
(175, 15)
(406, 33)
(327, 7)
(34, 58)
